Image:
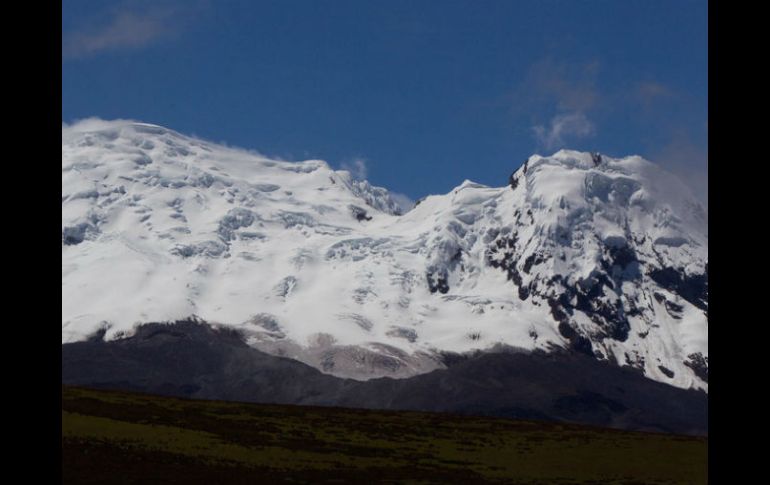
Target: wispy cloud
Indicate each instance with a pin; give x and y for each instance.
(571, 86)
(689, 160)
(647, 93)
(404, 201)
(556, 86)
(357, 168)
(120, 29)
(563, 93)
(563, 102)
(561, 127)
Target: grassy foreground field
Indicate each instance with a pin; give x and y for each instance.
(119, 437)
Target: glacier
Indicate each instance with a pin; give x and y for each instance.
(604, 256)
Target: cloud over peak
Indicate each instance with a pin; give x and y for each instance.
(561, 127)
(356, 167)
(121, 29)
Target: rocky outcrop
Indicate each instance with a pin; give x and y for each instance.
(195, 360)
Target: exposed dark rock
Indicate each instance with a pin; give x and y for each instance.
(699, 365)
(513, 181)
(211, 249)
(533, 259)
(565, 329)
(621, 256)
(674, 309)
(560, 316)
(98, 336)
(637, 363)
(589, 403)
(632, 310)
(268, 322)
(450, 359)
(523, 290)
(437, 280)
(195, 360)
(599, 296)
(235, 219)
(582, 345)
(402, 332)
(666, 371)
(359, 213)
(577, 342)
(501, 254)
(73, 235)
(693, 288)
(610, 317)
(363, 322)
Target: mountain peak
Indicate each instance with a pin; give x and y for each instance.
(607, 258)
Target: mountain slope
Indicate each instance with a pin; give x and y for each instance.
(153, 439)
(196, 360)
(607, 257)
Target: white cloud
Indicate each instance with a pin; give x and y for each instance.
(562, 126)
(357, 168)
(689, 161)
(650, 96)
(549, 85)
(123, 30)
(404, 201)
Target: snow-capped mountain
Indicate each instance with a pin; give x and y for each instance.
(604, 256)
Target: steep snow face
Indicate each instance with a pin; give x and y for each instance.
(618, 251)
(605, 256)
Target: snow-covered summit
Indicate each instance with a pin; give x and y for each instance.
(605, 256)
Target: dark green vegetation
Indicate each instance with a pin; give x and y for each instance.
(121, 437)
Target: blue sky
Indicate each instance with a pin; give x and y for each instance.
(416, 95)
